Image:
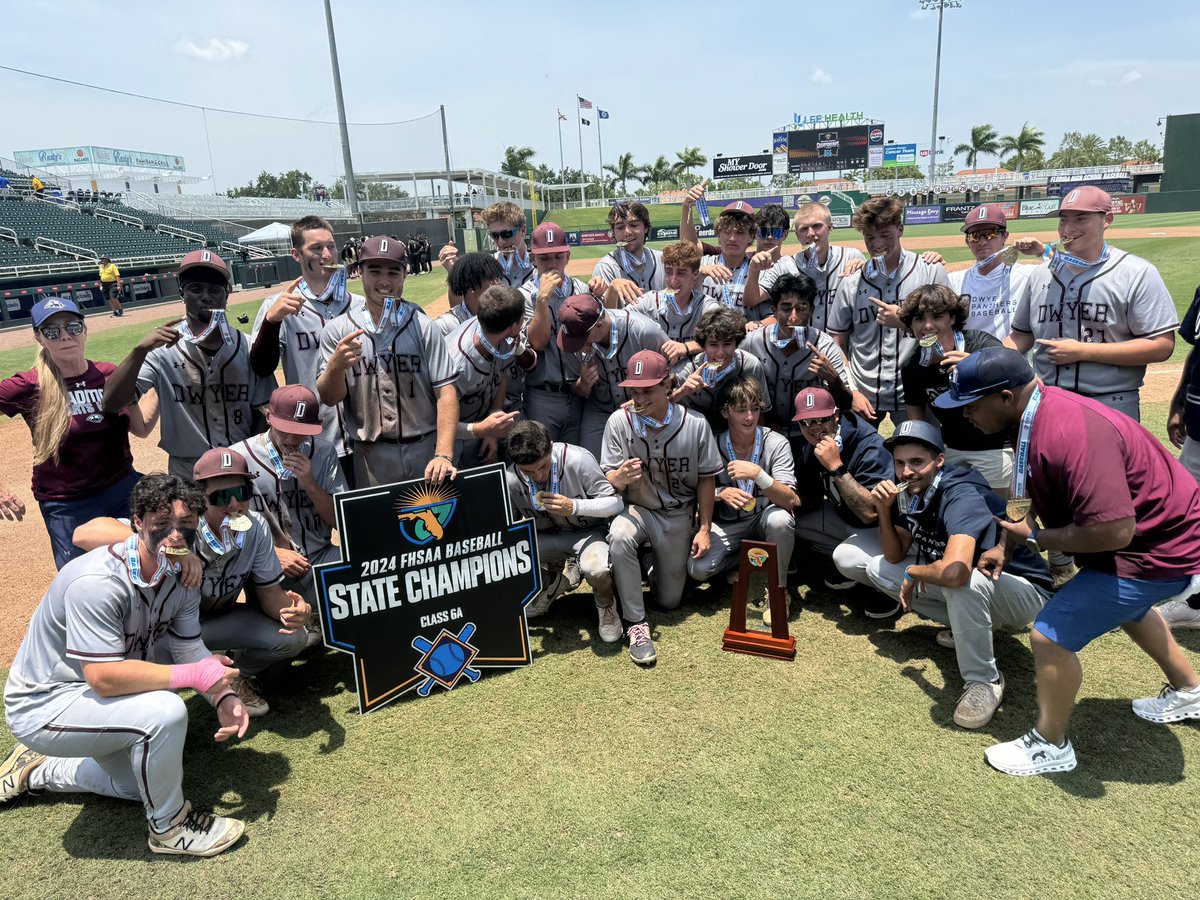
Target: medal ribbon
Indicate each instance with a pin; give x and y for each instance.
(916, 504)
(641, 421)
(715, 379)
(628, 261)
(511, 262)
(561, 293)
(1062, 258)
(495, 351)
(739, 280)
(228, 539)
(218, 320)
(552, 486)
(395, 314)
(281, 470)
(1021, 457)
(773, 337)
(135, 564)
(928, 352)
(746, 484)
(334, 290)
(612, 338)
(875, 266)
(812, 258)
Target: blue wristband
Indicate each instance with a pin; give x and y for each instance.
(908, 577)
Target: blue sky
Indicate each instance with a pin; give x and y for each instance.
(720, 76)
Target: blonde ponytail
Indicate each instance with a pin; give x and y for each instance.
(52, 416)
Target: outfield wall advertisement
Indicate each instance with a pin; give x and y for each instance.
(922, 215)
(741, 166)
(1035, 208)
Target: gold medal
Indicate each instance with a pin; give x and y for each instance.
(176, 551)
(900, 488)
(1008, 256)
(1018, 508)
(240, 523)
(750, 504)
(928, 340)
(539, 499)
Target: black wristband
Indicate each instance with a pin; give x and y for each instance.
(838, 472)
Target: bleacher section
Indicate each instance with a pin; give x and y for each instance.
(213, 233)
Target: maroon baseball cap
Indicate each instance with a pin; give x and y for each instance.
(295, 409)
(739, 206)
(220, 461)
(382, 247)
(814, 403)
(576, 317)
(989, 214)
(548, 238)
(646, 369)
(205, 260)
(1085, 198)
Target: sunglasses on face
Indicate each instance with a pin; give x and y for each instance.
(810, 423)
(774, 234)
(225, 496)
(979, 237)
(504, 235)
(54, 332)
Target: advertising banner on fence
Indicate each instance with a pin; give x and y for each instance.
(1129, 203)
(665, 234)
(1116, 185)
(54, 156)
(900, 155)
(432, 586)
(741, 166)
(956, 212)
(922, 215)
(1035, 208)
(1009, 209)
(828, 149)
(591, 238)
(104, 156)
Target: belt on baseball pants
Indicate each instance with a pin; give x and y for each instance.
(403, 440)
(552, 388)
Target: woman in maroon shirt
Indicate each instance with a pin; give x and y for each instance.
(82, 466)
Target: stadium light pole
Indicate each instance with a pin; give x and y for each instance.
(351, 187)
(941, 6)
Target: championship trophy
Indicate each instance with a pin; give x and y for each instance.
(778, 644)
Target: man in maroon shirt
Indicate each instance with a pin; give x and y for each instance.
(1109, 493)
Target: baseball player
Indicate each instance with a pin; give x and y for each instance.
(505, 222)
(1107, 491)
(864, 319)
(720, 359)
(677, 309)
(725, 273)
(663, 461)
(992, 288)
(90, 694)
(756, 489)
(563, 489)
(479, 351)
(633, 269)
(209, 395)
(615, 336)
(471, 275)
(794, 355)
(386, 363)
(295, 473)
(1096, 316)
(925, 554)
(289, 324)
(236, 551)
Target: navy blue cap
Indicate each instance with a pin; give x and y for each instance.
(49, 306)
(983, 373)
(916, 430)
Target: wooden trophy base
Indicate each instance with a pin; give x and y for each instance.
(779, 644)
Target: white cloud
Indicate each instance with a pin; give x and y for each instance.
(214, 50)
(1131, 76)
(820, 76)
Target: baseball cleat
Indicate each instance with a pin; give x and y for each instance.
(15, 770)
(641, 646)
(611, 628)
(197, 832)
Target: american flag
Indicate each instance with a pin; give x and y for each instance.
(584, 104)
(561, 117)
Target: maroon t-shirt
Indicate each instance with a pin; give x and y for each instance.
(1089, 465)
(95, 453)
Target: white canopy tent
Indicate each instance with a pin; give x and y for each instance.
(276, 231)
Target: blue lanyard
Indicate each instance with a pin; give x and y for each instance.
(746, 484)
(218, 321)
(395, 314)
(628, 261)
(226, 542)
(495, 351)
(1062, 258)
(740, 279)
(276, 460)
(1021, 457)
(641, 421)
(553, 485)
(334, 290)
(135, 564)
(773, 337)
(927, 353)
(562, 292)
(919, 505)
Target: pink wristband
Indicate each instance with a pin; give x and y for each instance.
(199, 676)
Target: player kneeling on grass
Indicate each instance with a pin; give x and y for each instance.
(236, 551)
(663, 461)
(562, 487)
(1107, 491)
(926, 551)
(756, 491)
(89, 703)
(679, 306)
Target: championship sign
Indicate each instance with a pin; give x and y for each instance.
(432, 586)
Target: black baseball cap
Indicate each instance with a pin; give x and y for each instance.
(919, 431)
(983, 373)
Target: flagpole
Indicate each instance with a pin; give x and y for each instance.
(600, 151)
(579, 127)
(562, 165)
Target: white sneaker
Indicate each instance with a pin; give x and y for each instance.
(1030, 754)
(1171, 705)
(552, 589)
(1179, 615)
(611, 628)
(197, 833)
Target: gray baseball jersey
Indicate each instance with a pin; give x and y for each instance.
(730, 293)
(553, 365)
(253, 562)
(93, 613)
(390, 391)
(477, 377)
(206, 399)
(992, 298)
(516, 271)
(787, 375)
(1121, 299)
(776, 460)
(827, 278)
(876, 351)
(617, 264)
(579, 477)
(704, 401)
(633, 333)
(679, 326)
(673, 459)
(452, 318)
(300, 352)
(282, 502)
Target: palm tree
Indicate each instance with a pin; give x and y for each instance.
(689, 158)
(1022, 144)
(983, 140)
(516, 161)
(623, 170)
(658, 173)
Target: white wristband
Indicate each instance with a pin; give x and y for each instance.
(763, 480)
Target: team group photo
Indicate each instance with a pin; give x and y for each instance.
(817, 521)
